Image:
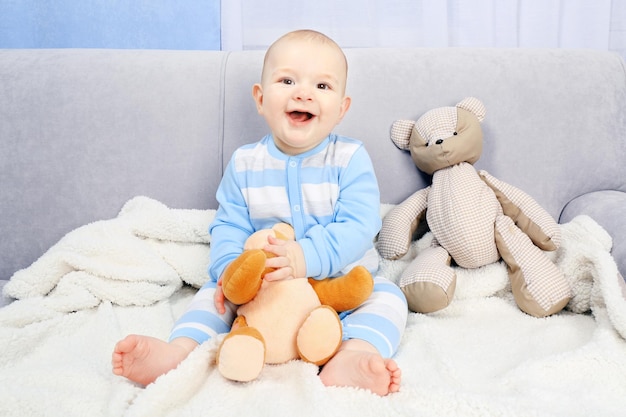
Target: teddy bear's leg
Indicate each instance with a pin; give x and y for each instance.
(241, 356)
(526, 213)
(243, 276)
(429, 282)
(539, 287)
(345, 292)
(320, 335)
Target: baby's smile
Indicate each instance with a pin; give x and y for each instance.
(300, 116)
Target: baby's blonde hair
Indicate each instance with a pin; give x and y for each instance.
(306, 35)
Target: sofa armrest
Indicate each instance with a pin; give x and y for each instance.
(607, 209)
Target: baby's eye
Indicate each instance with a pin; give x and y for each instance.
(287, 81)
(323, 86)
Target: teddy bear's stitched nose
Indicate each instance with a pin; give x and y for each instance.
(439, 141)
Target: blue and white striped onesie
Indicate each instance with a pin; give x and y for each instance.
(330, 196)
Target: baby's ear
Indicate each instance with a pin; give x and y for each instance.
(284, 231)
(401, 133)
(257, 95)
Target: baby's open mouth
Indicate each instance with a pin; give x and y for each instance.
(300, 116)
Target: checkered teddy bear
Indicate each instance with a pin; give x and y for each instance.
(475, 218)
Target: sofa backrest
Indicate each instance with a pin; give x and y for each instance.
(83, 131)
(555, 124)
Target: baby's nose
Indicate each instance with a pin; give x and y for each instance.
(303, 94)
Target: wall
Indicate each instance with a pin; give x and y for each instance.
(124, 24)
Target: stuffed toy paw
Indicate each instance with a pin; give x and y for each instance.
(475, 218)
(283, 320)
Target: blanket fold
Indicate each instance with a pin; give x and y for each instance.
(142, 256)
(137, 273)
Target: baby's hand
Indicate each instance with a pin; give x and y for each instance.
(219, 298)
(289, 261)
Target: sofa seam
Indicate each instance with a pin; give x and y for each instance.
(222, 114)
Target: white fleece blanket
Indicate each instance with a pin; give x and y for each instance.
(136, 273)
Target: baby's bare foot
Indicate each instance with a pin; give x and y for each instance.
(362, 369)
(143, 359)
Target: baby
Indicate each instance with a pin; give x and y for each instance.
(323, 185)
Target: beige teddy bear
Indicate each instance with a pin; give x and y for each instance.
(475, 218)
(283, 320)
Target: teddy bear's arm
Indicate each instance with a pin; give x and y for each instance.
(400, 224)
(527, 214)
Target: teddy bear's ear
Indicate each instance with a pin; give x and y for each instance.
(473, 105)
(401, 133)
(284, 231)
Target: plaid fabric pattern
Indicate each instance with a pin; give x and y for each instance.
(533, 219)
(400, 223)
(544, 282)
(437, 124)
(432, 265)
(401, 133)
(473, 105)
(476, 219)
(461, 213)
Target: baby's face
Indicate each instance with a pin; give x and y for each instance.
(302, 93)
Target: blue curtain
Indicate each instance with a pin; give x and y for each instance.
(123, 24)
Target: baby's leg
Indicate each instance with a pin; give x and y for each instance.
(372, 334)
(143, 359)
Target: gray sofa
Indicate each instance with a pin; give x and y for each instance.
(83, 131)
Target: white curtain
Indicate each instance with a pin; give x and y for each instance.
(596, 24)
